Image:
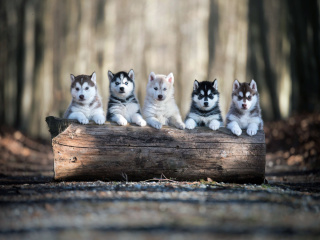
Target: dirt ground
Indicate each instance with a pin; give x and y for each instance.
(32, 206)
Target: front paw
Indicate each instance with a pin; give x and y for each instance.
(156, 125)
(122, 122)
(252, 131)
(141, 123)
(83, 120)
(236, 130)
(190, 124)
(214, 125)
(181, 125)
(99, 119)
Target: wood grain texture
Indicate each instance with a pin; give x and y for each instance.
(107, 152)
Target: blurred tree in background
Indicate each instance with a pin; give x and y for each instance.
(43, 41)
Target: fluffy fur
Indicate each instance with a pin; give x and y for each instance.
(204, 110)
(244, 112)
(86, 103)
(123, 106)
(160, 107)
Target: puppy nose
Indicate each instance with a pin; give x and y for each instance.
(122, 88)
(206, 104)
(160, 96)
(81, 97)
(244, 105)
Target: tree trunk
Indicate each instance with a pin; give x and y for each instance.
(109, 152)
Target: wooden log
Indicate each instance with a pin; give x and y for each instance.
(112, 152)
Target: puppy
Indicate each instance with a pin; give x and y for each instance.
(123, 106)
(204, 110)
(86, 103)
(160, 107)
(244, 112)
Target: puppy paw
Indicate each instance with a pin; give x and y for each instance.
(83, 120)
(181, 125)
(122, 122)
(141, 123)
(214, 125)
(236, 130)
(252, 130)
(157, 125)
(190, 124)
(99, 119)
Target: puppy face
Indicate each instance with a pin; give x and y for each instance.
(83, 87)
(121, 84)
(205, 94)
(244, 95)
(160, 87)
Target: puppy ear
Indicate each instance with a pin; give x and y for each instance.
(215, 84)
(131, 74)
(72, 77)
(170, 78)
(94, 77)
(110, 75)
(152, 77)
(195, 85)
(253, 85)
(236, 85)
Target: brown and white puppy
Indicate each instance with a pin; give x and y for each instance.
(244, 112)
(160, 107)
(86, 103)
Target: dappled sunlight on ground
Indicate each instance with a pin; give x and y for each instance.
(23, 156)
(296, 140)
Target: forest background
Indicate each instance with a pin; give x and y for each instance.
(43, 42)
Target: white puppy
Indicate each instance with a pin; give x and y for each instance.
(160, 107)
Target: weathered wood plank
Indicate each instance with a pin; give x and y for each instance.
(91, 152)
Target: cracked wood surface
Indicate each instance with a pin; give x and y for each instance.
(109, 152)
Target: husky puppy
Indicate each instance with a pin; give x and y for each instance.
(159, 105)
(244, 112)
(204, 110)
(123, 106)
(86, 103)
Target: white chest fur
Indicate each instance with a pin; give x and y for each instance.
(205, 120)
(86, 110)
(244, 120)
(130, 109)
(126, 110)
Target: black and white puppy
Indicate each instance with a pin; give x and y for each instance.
(204, 110)
(123, 106)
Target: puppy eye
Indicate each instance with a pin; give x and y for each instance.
(156, 88)
(239, 98)
(87, 88)
(210, 95)
(249, 98)
(201, 95)
(164, 89)
(77, 89)
(126, 83)
(117, 83)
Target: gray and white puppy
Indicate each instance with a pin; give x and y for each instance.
(205, 110)
(160, 107)
(86, 103)
(244, 112)
(123, 106)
